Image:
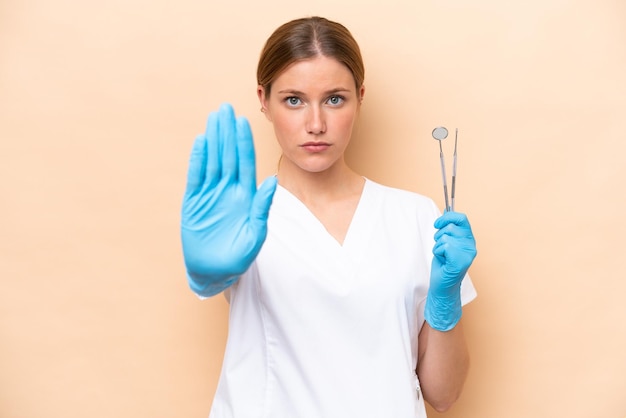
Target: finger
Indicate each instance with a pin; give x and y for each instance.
(439, 249)
(245, 151)
(458, 249)
(455, 237)
(261, 203)
(228, 133)
(453, 224)
(213, 166)
(455, 218)
(197, 166)
(449, 230)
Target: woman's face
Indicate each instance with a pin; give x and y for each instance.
(313, 105)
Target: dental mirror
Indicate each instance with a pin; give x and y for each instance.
(440, 133)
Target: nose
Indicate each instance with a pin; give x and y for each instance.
(316, 122)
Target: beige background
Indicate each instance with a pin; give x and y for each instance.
(99, 105)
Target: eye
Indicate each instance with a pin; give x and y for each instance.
(292, 101)
(335, 100)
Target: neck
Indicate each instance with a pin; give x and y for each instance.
(336, 182)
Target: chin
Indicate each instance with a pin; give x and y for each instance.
(318, 167)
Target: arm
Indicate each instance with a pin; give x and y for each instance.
(443, 359)
(442, 366)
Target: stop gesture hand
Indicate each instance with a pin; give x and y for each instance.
(224, 216)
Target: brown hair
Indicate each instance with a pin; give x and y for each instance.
(306, 38)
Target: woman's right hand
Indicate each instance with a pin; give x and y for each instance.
(224, 216)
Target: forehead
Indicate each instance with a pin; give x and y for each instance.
(319, 73)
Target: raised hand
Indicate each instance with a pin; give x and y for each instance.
(224, 217)
(454, 252)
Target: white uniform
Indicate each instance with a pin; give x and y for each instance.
(323, 330)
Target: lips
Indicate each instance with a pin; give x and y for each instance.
(312, 146)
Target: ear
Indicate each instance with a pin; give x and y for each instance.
(361, 93)
(264, 101)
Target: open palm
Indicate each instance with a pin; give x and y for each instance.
(224, 217)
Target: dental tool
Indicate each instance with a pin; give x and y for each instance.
(440, 133)
(456, 137)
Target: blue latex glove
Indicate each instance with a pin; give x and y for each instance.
(454, 251)
(224, 217)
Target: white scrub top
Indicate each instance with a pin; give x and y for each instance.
(323, 330)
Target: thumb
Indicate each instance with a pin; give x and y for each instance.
(262, 202)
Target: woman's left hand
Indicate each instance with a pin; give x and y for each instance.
(454, 252)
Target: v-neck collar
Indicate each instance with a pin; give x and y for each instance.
(360, 227)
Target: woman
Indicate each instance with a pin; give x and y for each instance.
(337, 306)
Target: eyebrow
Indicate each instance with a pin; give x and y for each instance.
(300, 93)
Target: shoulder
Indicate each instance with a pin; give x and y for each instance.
(407, 216)
(391, 196)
